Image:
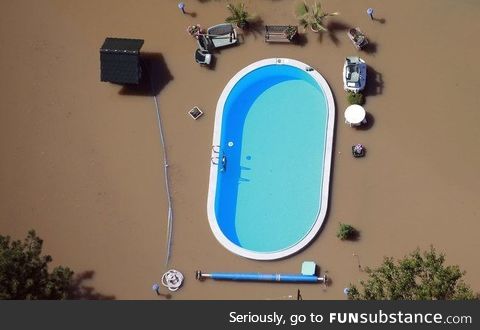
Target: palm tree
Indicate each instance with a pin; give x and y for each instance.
(239, 15)
(312, 16)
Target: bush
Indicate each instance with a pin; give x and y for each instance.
(355, 98)
(418, 276)
(346, 231)
(24, 272)
(290, 32)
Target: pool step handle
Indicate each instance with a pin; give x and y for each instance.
(216, 149)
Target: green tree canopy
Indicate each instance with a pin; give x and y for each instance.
(418, 276)
(24, 271)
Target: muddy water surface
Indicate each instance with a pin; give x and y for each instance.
(82, 162)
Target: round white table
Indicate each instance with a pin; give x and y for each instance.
(355, 115)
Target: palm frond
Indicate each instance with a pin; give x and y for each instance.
(302, 9)
(238, 13)
(312, 16)
(231, 19)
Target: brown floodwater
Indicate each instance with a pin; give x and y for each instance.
(81, 160)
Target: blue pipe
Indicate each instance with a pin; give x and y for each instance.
(288, 278)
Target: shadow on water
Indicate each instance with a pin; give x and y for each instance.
(255, 28)
(375, 82)
(213, 63)
(155, 76)
(79, 290)
(354, 236)
(300, 39)
(370, 48)
(335, 27)
(370, 122)
(380, 20)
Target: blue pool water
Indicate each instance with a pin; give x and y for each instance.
(269, 194)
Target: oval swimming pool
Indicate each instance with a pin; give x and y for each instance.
(271, 156)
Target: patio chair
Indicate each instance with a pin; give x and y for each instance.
(205, 43)
(203, 57)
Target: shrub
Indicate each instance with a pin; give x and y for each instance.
(290, 32)
(346, 231)
(355, 98)
(24, 271)
(418, 276)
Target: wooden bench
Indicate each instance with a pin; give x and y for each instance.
(280, 33)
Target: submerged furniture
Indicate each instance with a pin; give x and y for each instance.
(204, 43)
(195, 112)
(222, 35)
(358, 38)
(120, 60)
(354, 74)
(358, 150)
(280, 33)
(203, 57)
(355, 115)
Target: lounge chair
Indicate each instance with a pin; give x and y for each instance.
(203, 57)
(222, 35)
(205, 43)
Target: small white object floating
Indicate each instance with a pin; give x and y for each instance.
(172, 280)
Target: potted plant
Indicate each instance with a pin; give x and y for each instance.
(239, 15)
(290, 32)
(312, 16)
(346, 232)
(355, 98)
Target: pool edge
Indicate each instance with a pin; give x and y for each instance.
(224, 241)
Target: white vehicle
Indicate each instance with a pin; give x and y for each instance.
(354, 74)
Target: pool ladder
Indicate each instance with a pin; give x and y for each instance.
(216, 154)
(215, 159)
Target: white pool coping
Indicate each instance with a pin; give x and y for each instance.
(212, 219)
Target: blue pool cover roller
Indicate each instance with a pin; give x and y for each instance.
(258, 277)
